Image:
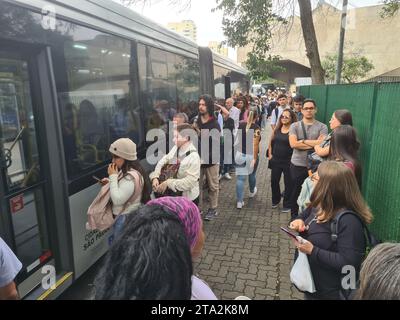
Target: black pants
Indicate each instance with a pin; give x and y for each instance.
(299, 174)
(276, 172)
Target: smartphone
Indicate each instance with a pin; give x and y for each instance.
(96, 178)
(289, 233)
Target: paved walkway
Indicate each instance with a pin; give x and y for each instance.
(245, 253)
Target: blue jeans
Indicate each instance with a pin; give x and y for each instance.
(241, 172)
(118, 226)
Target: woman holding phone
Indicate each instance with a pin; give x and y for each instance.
(129, 184)
(336, 192)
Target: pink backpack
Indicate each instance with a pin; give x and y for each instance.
(100, 215)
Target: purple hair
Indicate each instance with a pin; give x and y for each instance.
(186, 211)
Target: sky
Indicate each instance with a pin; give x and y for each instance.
(209, 24)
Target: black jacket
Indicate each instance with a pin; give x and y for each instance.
(214, 141)
(328, 258)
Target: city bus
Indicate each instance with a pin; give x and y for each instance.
(74, 76)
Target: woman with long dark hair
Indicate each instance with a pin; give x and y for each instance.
(243, 105)
(336, 193)
(279, 155)
(189, 215)
(129, 183)
(339, 118)
(150, 261)
(344, 147)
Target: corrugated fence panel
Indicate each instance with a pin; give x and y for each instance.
(358, 99)
(383, 189)
(318, 93)
(305, 91)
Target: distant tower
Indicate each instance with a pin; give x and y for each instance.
(186, 28)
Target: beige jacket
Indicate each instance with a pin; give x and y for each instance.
(188, 175)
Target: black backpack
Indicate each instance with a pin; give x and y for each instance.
(371, 241)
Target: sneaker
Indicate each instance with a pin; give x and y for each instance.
(253, 194)
(286, 210)
(211, 214)
(227, 176)
(274, 206)
(240, 205)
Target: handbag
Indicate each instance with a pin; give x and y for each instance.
(301, 275)
(170, 171)
(100, 214)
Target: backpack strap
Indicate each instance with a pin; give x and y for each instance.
(335, 227)
(276, 113)
(138, 181)
(304, 130)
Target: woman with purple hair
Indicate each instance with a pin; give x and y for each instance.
(189, 215)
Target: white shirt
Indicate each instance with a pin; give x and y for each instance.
(234, 113)
(188, 174)
(121, 191)
(274, 119)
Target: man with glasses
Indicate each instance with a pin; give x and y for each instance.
(304, 135)
(276, 114)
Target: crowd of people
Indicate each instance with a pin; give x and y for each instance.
(157, 218)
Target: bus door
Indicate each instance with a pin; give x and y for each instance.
(23, 175)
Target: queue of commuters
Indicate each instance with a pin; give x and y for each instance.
(157, 219)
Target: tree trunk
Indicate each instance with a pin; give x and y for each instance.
(310, 40)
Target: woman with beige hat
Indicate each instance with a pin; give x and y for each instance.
(129, 183)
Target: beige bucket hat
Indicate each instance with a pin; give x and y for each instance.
(124, 148)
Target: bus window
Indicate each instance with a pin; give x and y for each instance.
(97, 109)
(169, 84)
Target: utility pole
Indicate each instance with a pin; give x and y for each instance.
(343, 21)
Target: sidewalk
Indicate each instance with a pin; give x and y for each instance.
(245, 253)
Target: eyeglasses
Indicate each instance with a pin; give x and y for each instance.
(309, 109)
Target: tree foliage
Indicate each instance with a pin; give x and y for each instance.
(390, 9)
(252, 22)
(355, 67)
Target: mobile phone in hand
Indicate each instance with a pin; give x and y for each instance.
(289, 233)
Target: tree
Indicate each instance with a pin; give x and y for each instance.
(390, 9)
(253, 21)
(355, 67)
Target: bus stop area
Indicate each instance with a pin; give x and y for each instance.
(244, 253)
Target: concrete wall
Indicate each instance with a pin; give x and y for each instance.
(366, 34)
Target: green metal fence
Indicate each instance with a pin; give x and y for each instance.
(376, 115)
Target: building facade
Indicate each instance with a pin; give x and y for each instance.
(186, 28)
(218, 48)
(367, 34)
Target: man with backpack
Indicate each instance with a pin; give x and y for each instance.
(282, 104)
